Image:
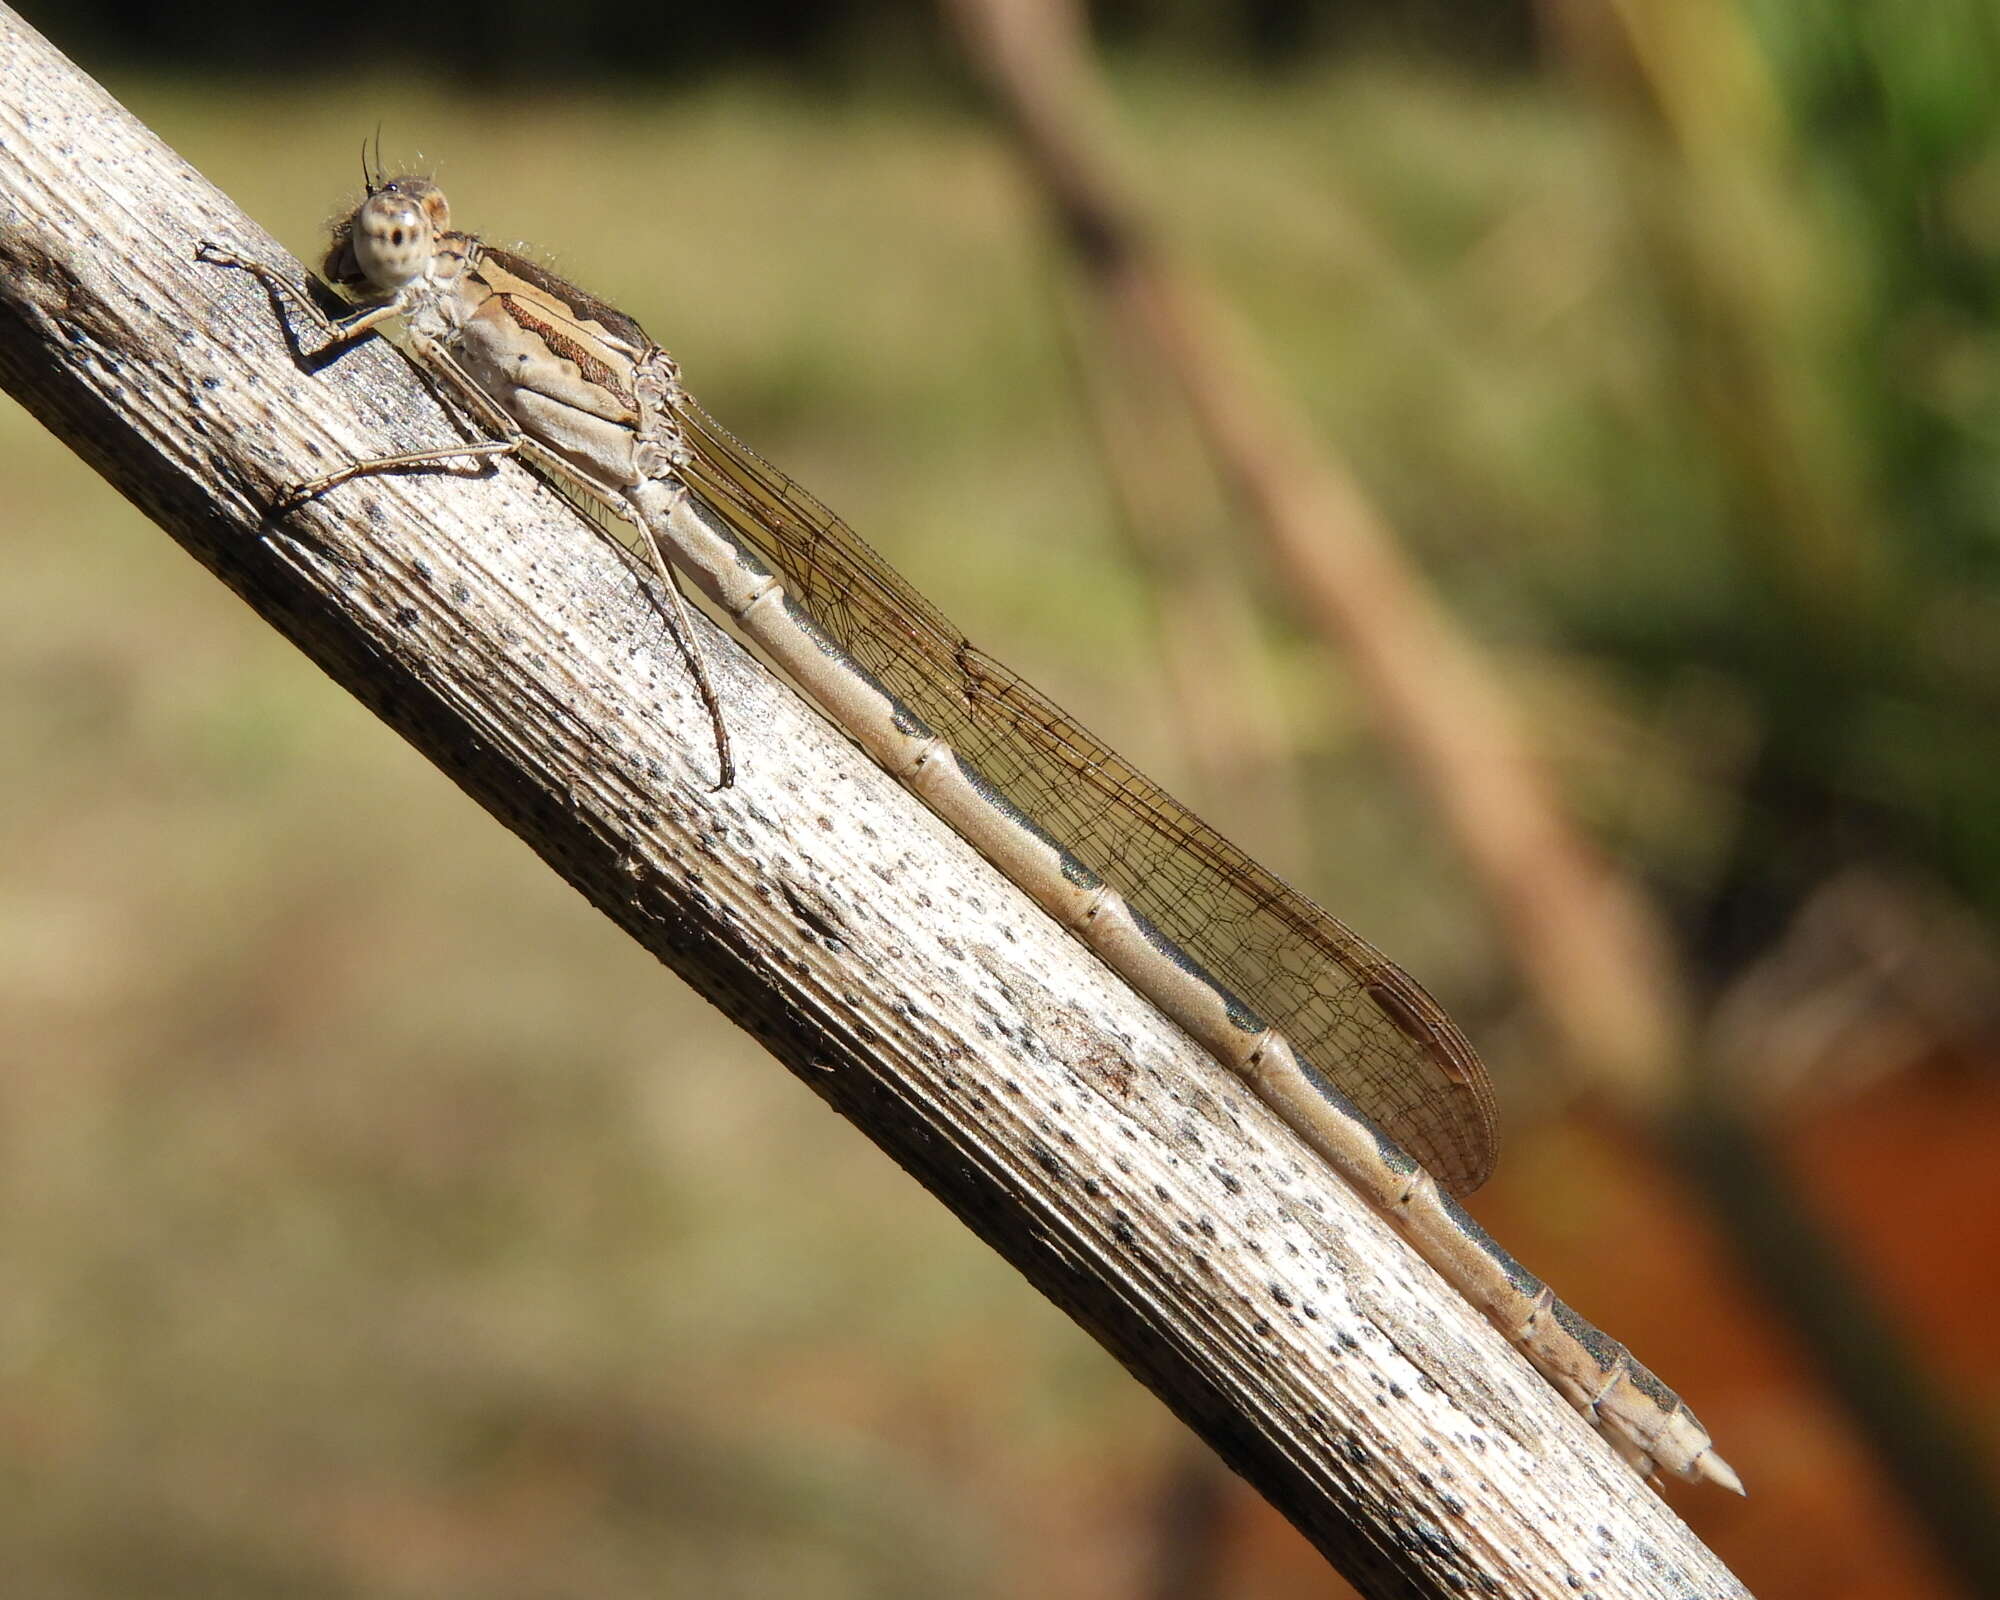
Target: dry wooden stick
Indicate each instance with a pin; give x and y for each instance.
(880, 960)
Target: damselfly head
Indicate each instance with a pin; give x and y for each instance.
(390, 238)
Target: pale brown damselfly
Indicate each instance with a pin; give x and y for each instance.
(1348, 1049)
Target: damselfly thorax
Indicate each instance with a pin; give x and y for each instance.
(572, 372)
(562, 378)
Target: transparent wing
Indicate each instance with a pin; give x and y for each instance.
(1355, 1015)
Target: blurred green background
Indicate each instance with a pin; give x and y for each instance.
(379, 1222)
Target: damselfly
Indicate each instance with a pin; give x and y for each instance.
(1345, 1046)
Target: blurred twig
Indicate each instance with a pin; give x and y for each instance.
(1592, 953)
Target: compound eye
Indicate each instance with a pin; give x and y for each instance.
(391, 240)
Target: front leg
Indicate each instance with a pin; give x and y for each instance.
(340, 332)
